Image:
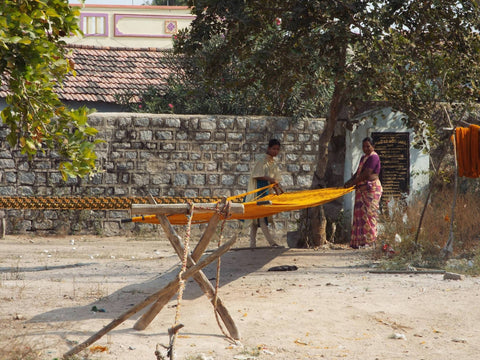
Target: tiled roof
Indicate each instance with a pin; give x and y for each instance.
(103, 72)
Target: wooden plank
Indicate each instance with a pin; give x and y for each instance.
(199, 277)
(171, 209)
(173, 285)
(208, 233)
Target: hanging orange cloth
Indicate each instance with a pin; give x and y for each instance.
(468, 151)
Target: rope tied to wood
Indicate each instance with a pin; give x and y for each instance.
(224, 212)
(173, 331)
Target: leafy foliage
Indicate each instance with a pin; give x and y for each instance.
(33, 62)
(289, 57)
(432, 58)
(330, 58)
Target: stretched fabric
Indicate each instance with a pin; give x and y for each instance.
(287, 201)
(468, 151)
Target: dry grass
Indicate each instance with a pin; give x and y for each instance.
(399, 221)
(16, 350)
(97, 291)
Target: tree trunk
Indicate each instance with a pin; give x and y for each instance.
(316, 221)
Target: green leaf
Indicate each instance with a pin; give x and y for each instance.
(14, 39)
(90, 131)
(25, 19)
(51, 12)
(25, 41)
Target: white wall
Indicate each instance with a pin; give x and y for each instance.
(382, 120)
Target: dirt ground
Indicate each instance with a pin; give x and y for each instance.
(331, 307)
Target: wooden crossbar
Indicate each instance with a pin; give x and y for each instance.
(172, 209)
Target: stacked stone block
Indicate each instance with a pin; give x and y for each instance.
(160, 155)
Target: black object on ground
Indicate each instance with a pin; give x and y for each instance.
(283, 268)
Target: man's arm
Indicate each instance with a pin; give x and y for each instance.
(266, 178)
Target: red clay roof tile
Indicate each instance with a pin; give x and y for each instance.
(103, 72)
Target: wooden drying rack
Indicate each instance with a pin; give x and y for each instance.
(195, 265)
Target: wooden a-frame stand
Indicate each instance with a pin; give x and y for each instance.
(194, 268)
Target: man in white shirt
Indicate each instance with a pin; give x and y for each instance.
(265, 172)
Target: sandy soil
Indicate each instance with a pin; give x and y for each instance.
(330, 307)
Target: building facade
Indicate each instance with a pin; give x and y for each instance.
(130, 26)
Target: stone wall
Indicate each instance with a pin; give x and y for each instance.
(161, 155)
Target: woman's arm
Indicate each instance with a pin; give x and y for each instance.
(349, 183)
(364, 175)
(354, 180)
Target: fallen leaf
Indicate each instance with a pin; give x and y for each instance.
(98, 348)
(299, 342)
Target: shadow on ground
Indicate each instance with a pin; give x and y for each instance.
(234, 265)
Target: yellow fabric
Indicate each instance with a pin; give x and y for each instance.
(287, 201)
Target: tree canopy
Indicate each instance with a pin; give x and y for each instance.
(395, 51)
(288, 57)
(33, 63)
(331, 58)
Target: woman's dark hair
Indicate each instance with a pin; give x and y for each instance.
(369, 139)
(273, 142)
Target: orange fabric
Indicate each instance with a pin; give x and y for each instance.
(468, 151)
(286, 201)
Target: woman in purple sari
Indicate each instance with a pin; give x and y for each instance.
(368, 191)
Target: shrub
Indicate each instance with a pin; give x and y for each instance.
(399, 223)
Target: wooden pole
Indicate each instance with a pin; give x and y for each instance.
(199, 277)
(429, 193)
(448, 248)
(173, 285)
(206, 236)
(148, 317)
(172, 209)
(3, 227)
